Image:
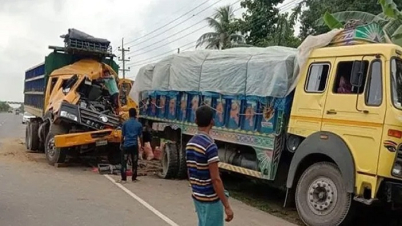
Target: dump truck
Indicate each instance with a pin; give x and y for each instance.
(322, 121)
(70, 94)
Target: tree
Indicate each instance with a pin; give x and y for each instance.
(390, 20)
(263, 25)
(4, 106)
(259, 22)
(224, 35)
(317, 8)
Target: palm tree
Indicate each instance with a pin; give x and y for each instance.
(390, 20)
(223, 36)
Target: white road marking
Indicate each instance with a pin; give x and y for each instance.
(149, 207)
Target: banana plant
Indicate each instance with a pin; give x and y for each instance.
(390, 20)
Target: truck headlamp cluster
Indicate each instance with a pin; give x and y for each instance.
(397, 167)
(68, 115)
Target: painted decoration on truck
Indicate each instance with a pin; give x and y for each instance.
(195, 101)
(249, 123)
(263, 144)
(220, 112)
(367, 33)
(183, 107)
(264, 157)
(234, 119)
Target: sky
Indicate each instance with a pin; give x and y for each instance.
(152, 29)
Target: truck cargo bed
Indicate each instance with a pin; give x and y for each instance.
(34, 90)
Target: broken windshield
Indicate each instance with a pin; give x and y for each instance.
(396, 77)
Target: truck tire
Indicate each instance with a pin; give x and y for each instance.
(182, 165)
(54, 155)
(27, 136)
(321, 197)
(169, 161)
(34, 136)
(31, 136)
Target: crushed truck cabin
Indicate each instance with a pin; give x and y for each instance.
(76, 111)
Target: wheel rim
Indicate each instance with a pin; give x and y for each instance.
(51, 148)
(322, 196)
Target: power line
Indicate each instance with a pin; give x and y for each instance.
(169, 22)
(170, 17)
(157, 35)
(171, 35)
(191, 26)
(157, 56)
(289, 5)
(282, 8)
(173, 40)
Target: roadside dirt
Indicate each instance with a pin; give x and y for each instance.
(14, 150)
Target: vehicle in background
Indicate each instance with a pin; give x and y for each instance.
(26, 117)
(70, 95)
(327, 128)
(17, 111)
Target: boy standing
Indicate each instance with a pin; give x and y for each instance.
(203, 172)
(131, 131)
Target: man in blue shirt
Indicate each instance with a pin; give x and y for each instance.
(131, 131)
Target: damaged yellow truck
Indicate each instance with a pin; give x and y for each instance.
(77, 100)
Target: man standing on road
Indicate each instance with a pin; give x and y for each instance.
(203, 172)
(131, 131)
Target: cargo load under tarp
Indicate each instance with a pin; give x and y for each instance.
(261, 72)
(242, 71)
(79, 35)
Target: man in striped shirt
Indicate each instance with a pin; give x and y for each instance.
(203, 172)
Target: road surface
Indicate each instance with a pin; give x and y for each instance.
(36, 194)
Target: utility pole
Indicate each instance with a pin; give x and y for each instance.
(123, 57)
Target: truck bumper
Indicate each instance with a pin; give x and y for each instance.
(100, 138)
(394, 192)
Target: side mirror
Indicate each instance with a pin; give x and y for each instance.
(356, 78)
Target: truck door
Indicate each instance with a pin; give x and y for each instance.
(357, 114)
(309, 98)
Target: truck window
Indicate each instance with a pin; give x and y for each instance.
(374, 85)
(396, 78)
(52, 84)
(342, 80)
(317, 77)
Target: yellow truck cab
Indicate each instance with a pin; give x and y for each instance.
(331, 138)
(76, 111)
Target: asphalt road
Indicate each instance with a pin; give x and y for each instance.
(37, 194)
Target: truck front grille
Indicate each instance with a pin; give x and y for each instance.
(95, 120)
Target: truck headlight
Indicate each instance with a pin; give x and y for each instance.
(397, 167)
(68, 115)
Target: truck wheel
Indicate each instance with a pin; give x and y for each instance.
(34, 136)
(27, 136)
(182, 165)
(169, 161)
(31, 136)
(321, 197)
(53, 154)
